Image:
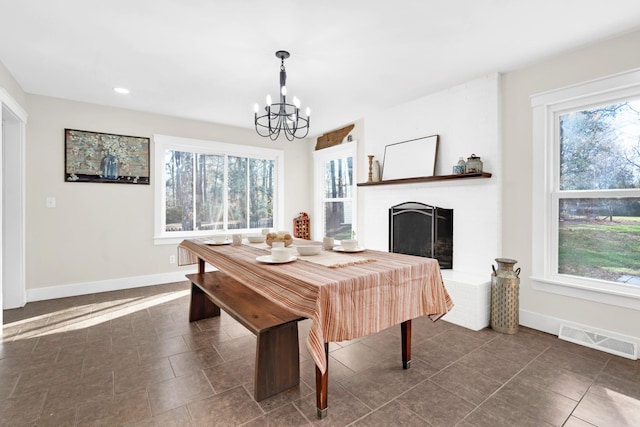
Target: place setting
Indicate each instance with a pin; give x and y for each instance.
(280, 246)
(217, 240)
(328, 254)
(279, 255)
(348, 246)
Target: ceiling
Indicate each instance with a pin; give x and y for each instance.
(211, 60)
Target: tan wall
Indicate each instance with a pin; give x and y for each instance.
(8, 83)
(594, 61)
(100, 232)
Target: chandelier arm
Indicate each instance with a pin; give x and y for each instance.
(305, 126)
(273, 134)
(274, 123)
(287, 125)
(279, 126)
(262, 126)
(287, 131)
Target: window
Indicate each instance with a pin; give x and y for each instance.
(335, 204)
(208, 187)
(586, 195)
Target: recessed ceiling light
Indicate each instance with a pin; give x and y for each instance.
(122, 90)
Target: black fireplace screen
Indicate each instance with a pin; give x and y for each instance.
(423, 230)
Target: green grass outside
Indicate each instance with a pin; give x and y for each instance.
(600, 249)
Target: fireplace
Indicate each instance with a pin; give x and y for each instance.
(423, 230)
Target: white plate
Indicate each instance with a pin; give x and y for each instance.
(268, 259)
(341, 249)
(211, 242)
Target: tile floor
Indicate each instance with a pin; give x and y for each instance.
(131, 358)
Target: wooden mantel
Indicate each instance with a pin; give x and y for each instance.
(427, 179)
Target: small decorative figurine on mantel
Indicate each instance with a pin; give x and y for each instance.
(370, 178)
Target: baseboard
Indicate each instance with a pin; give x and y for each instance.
(552, 325)
(540, 322)
(75, 289)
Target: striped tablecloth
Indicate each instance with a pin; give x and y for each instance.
(343, 303)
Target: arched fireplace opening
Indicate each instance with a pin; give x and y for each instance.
(423, 230)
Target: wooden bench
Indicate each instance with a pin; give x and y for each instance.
(276, 329)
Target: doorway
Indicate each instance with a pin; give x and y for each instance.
(12, 233)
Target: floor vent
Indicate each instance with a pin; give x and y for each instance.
(600, 341)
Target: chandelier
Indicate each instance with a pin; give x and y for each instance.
(282, 117)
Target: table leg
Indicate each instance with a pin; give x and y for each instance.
(200, 265)
(405, 329)
(322, 386)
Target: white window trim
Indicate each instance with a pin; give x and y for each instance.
(164, 142)
(546, 106)
(320, 157)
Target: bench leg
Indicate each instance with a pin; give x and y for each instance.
(277, 361)
(405, 331)
(322, 386)
(201, 306)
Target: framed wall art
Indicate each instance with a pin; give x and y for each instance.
(410, 159)
(104, 157)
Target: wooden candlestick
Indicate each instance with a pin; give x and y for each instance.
(370, 168)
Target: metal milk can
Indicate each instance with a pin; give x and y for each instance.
(505, 284)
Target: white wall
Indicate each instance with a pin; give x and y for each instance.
(467, 119)
(539, 309)
(100, 236)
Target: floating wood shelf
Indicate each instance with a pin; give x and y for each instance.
(427, 179)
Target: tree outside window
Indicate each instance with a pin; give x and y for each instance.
(335, 205)
(338, 193)
(598, 195)
(208, 187)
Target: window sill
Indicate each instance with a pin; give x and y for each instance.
(168, 240)
(177, 238)
(621, 295)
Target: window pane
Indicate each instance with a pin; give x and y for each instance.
(600, 148)
(209, 188)
(337, 216)
(179, 190)
(599, 238)
(261, 193)
(237, 193)
(338, 178)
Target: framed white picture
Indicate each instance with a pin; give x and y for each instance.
(410, 159)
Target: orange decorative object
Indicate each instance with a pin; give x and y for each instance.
(302, 226)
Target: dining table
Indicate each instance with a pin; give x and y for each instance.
(345, 294)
